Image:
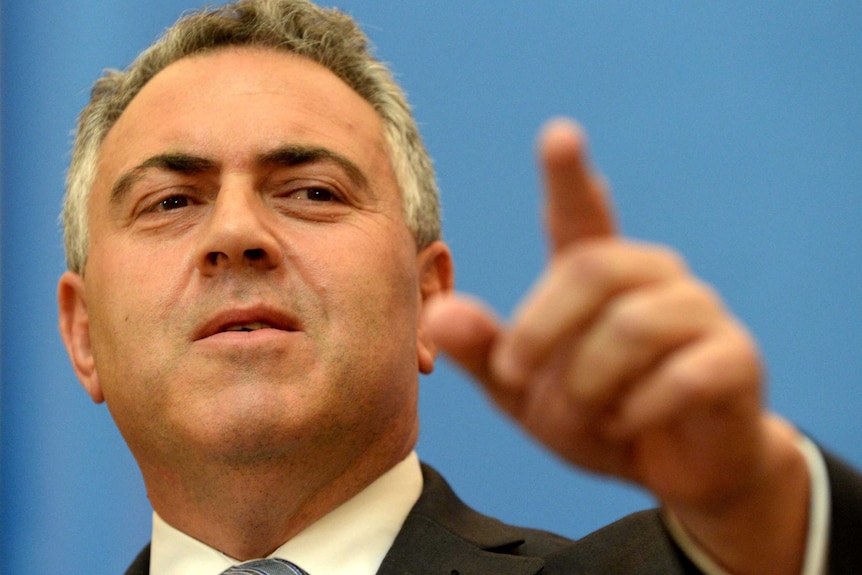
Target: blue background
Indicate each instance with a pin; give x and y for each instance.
(732, 131)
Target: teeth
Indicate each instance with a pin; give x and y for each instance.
(248, 326)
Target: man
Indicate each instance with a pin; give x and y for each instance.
(256, 280)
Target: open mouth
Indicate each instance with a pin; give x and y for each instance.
(246, 321)
(253, 326)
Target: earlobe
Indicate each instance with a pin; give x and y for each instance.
(436, 277)
(75, 331)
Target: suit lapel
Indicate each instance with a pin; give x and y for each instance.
(141, 564)
(424, 547)
(442, 536)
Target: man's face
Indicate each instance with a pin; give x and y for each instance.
(251, 288)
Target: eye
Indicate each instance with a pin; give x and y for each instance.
(170, 201)
(314, 195)
(309, 199)
(173, 203)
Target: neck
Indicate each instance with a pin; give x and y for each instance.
(248, 512)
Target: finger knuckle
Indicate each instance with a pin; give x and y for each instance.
(629, 320)
(697, 382)
(669, 259)
(704, 295)
(587, 264)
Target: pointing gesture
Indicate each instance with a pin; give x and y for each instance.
(577, 203)
(621, 362)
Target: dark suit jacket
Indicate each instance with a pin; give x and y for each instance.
(442, 536)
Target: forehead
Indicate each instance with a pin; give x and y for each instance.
(236, 103)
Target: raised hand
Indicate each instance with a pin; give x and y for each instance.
(622, 362)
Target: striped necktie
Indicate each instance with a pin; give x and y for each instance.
(265, 567)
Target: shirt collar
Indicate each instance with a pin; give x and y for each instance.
(352, 539)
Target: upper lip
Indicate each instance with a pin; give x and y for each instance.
(232, 318)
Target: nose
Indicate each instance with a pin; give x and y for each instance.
(239, 233)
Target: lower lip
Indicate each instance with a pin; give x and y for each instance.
(244, 338)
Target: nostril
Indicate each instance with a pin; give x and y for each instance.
(255, 254)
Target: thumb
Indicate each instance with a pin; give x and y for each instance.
(466, 330)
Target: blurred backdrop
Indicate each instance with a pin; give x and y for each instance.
(732, 131)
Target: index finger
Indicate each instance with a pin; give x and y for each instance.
(577, 205)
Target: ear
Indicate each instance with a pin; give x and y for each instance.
(436, 277)
(75, 330)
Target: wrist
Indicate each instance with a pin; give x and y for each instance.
(761, 526)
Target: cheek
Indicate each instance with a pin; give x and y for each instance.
(369, 293)
(137, 284)
(129, 307)
(374, 279)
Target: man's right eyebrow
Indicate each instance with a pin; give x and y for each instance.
(169, 162)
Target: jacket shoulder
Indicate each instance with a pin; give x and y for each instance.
(444, 535)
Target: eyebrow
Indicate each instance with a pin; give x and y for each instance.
(169, 162)
(297, 155)
(285, 156)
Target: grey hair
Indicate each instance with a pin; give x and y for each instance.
(326, 36)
